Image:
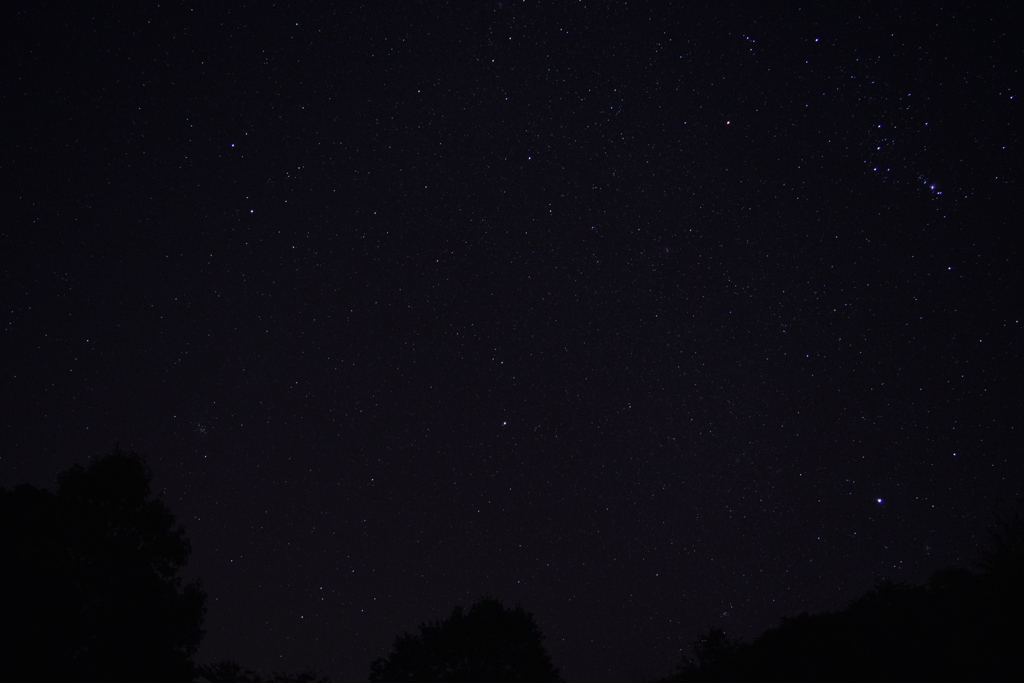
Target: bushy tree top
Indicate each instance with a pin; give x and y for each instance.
(89, 579)
(486, 643)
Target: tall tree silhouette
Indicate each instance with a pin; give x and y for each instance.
(489, 643)
(1003, 559)
(89, 579)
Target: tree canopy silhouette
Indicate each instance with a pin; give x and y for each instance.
(489, 643)
(1003, 559)
(958, 626)
(232, 672)
(89, 578)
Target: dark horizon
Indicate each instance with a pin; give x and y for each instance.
(672, 318)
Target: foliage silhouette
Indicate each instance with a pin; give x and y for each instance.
(232, 672)
(958, 626)
(1004, 558)
(489, 643)
(90, 580)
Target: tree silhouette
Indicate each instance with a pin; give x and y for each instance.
(713, 647)
(958, 626)
(232, 672)
(489, 643)
(1003, 559)
(89, 579)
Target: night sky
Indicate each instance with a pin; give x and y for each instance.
(646, 319)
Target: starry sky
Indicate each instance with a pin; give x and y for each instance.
(647, 317)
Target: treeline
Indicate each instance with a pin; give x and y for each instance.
(958, 626)
(90, 580)
(90, 590)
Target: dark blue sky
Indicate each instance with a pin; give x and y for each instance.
(646, 319)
